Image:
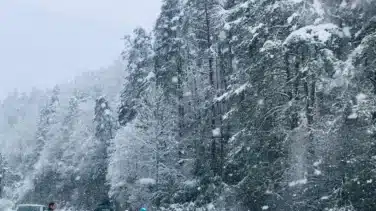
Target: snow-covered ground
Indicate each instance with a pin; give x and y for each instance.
(6, 205)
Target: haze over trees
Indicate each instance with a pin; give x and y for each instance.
(225, 105)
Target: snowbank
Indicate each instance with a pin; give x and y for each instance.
(6, 205)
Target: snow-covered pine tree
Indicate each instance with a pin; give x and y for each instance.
(2, 174)
(144, 150)
(44, 162)
(205, 21)
(105, 126)
(169, 60)
(138, 56)
(47, 118)
(67, 162)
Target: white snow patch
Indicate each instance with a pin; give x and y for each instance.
(241, 88)
(174, 79)
(291, 18)
(190, 183)
(187, 94)
(314, 33)
(346, 31)
(317, 172)
(260, 102)
(230, 93)
(150, 76)
(211, 206)
(77, 178)
(220, 98)
(343, 4)
(254, 29)
(317, 163)
(317, 5)
(107, 112)
(355, 4)
(318, 21)
(222, 35)
(369, 181)
(217, 132)
(226, 115)
(324, 198)
(265, 207)
(269, 45)
(227, 26)
(6, 205)
(361, 97)
(233, 138)
(147, 181)
(352, 116)
(298, 182)
(352, 160)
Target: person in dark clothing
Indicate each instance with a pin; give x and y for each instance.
(104, 206)
(51, 206)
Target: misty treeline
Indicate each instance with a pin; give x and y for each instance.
(225, 105)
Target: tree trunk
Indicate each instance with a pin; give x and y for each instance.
(211, 81)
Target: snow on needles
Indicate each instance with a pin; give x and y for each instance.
(314, 33)
(298, 182)
(147, 181)
(231, 93)
(361, 97)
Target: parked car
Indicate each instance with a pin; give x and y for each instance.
(31, 207)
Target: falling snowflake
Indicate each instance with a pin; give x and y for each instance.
(265, 207)
(324, 198)
(352, 116)
(217, 132)
(174, 80)
(187, 94)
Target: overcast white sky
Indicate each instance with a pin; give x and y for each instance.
(44, 42)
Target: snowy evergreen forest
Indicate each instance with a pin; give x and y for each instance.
(229, 105)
